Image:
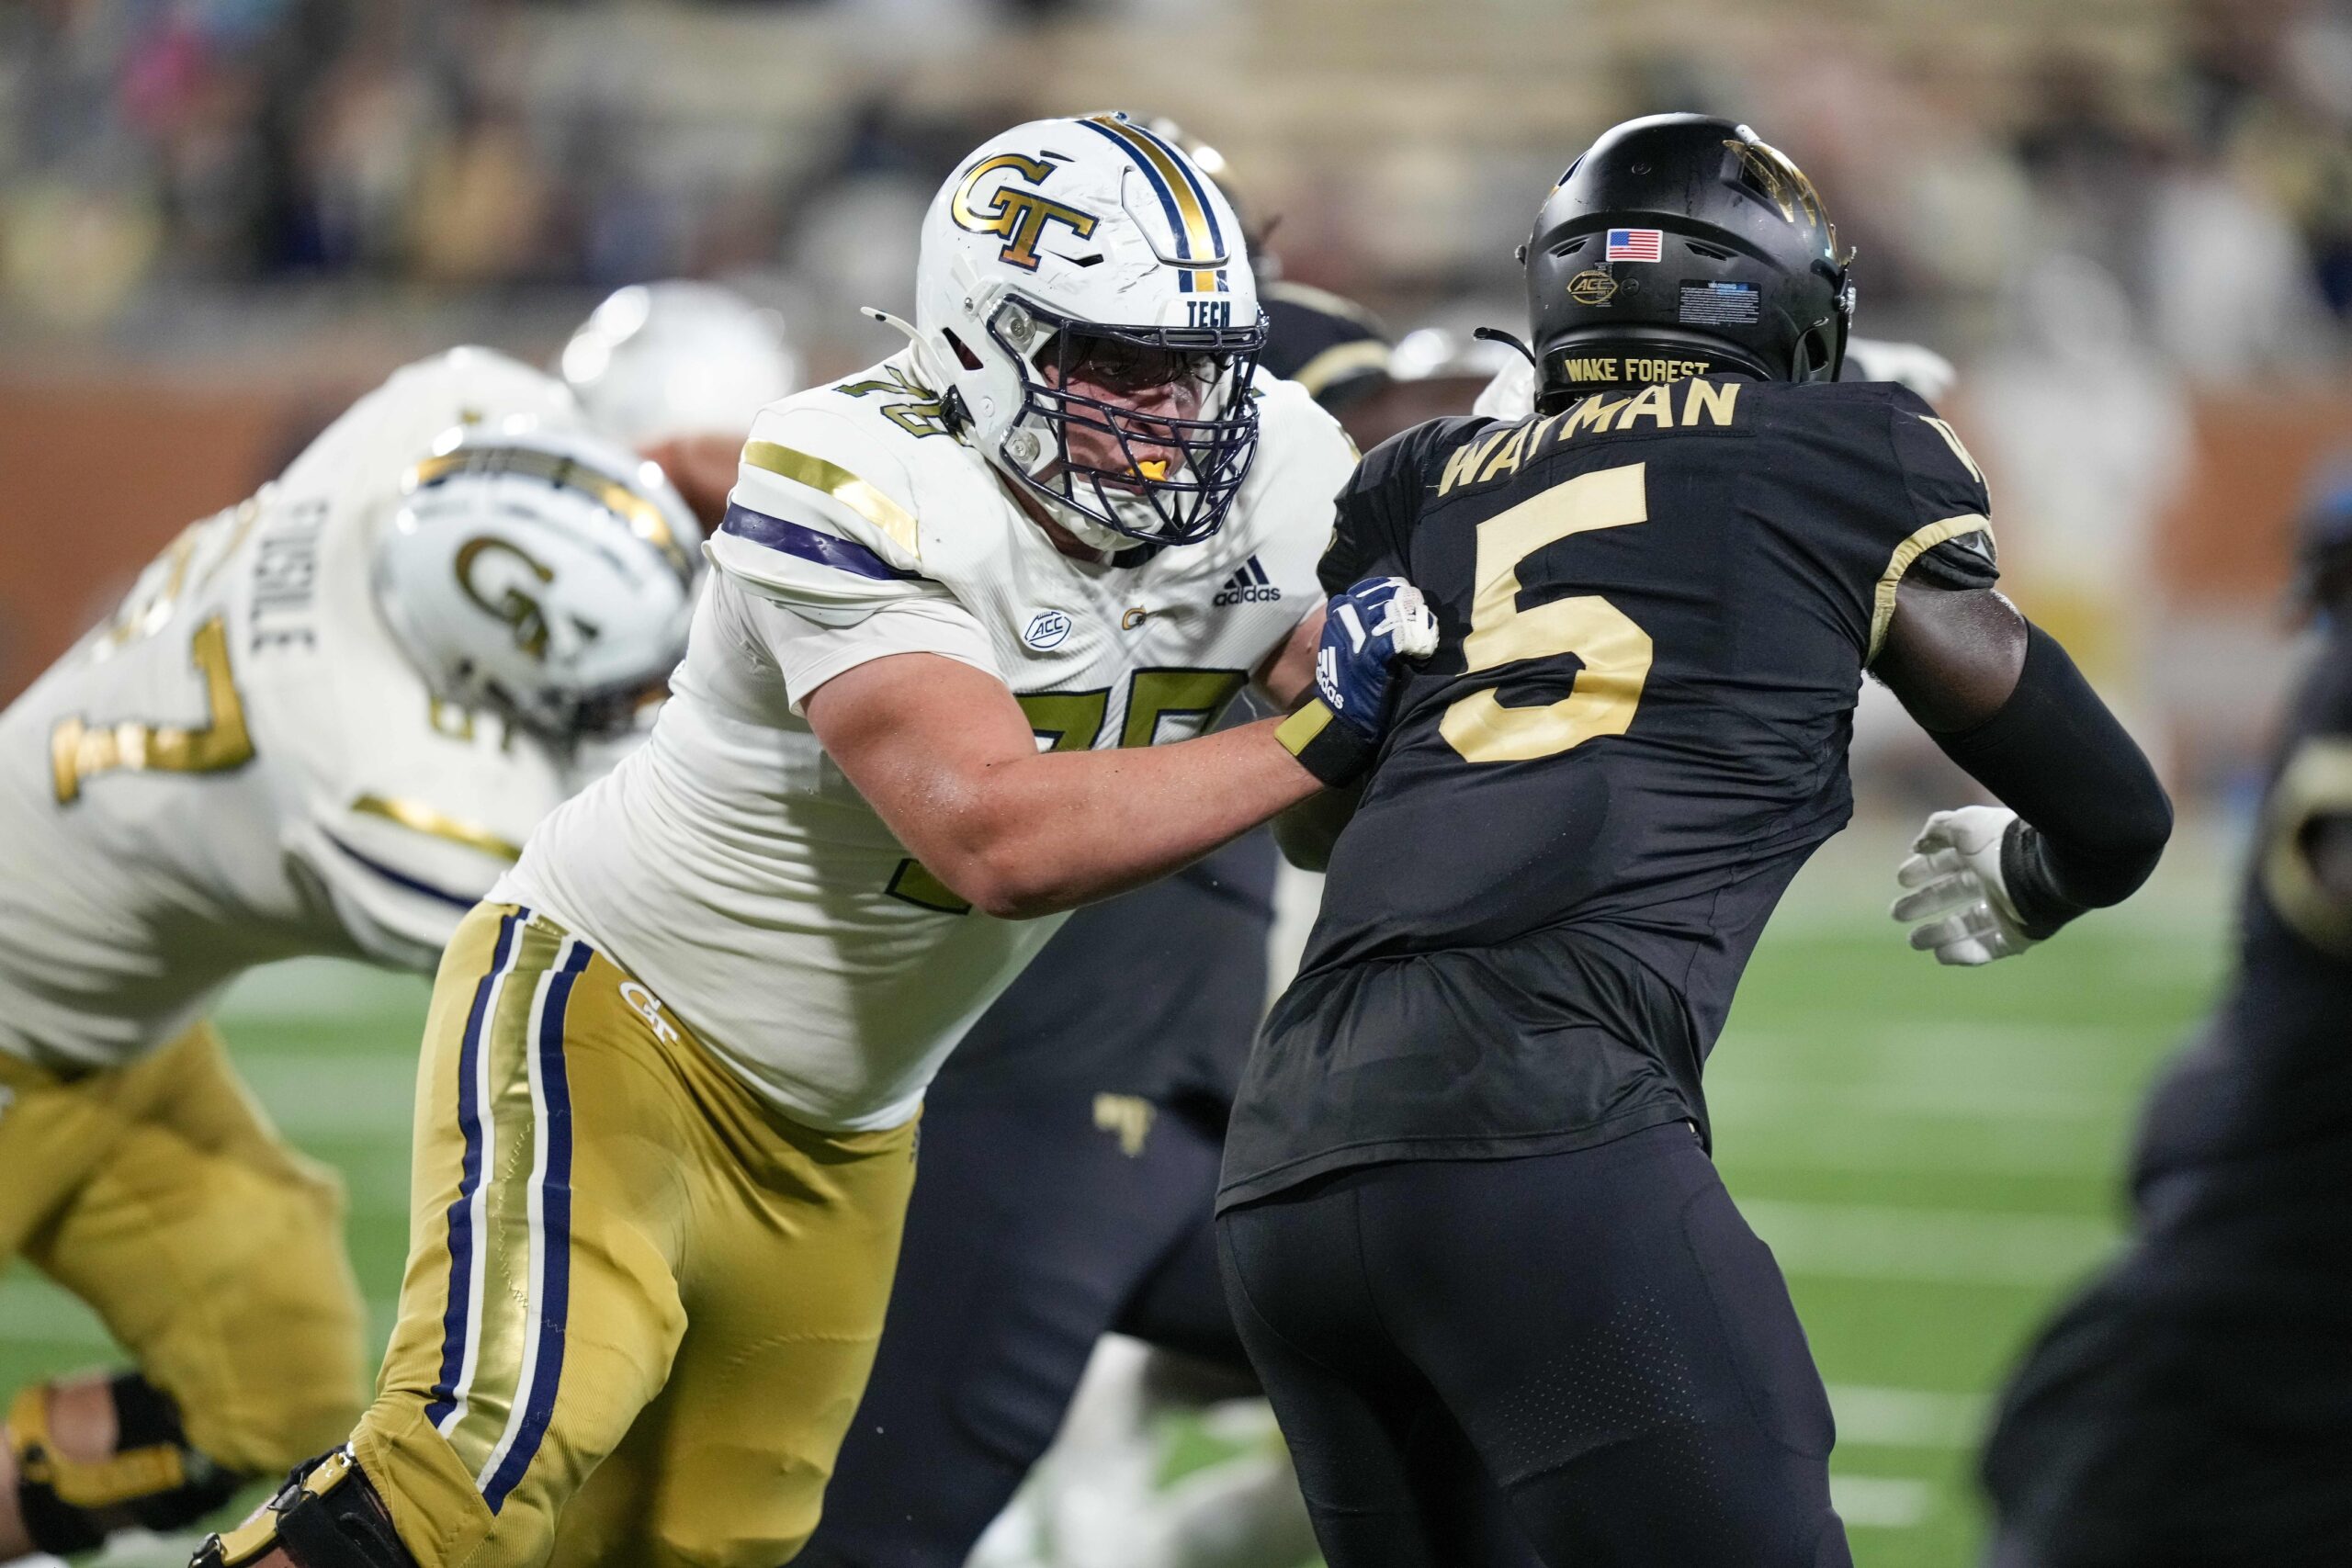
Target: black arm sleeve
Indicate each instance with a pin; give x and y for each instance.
(2093, 818)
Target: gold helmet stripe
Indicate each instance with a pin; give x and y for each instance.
(644, 517)
(1179, 190)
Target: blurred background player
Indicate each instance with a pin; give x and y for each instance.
(675, 371)
(322, 722)
(1070, 1149)
(1469, 1220)
(2192, 1408)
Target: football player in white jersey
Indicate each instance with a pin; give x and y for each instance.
(666, 1108)
(320, 723)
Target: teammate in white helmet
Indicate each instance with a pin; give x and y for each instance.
(667, 1106)
(320, 723)
(677, 369)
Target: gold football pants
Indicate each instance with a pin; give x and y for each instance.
(159, 1194)
(640, 1305)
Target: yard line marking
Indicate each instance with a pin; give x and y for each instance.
(1875, 1416)
(1873, 1033)
(322, 988)
(1871, 1146)
(1880, 1502)
(327, 1097)
(1780, 1099)
(1858, 1241)
(35, 1311)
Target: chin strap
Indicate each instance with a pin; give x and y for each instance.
(932, 374)
(1496, 334)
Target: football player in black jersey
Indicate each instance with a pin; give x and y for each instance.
(2193, 1407)
(1467, 1201)
(1069, 1155)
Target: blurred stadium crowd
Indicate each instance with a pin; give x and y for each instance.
(2129, 221)
(152, 151)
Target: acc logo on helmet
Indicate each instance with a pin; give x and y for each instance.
(1020, 216)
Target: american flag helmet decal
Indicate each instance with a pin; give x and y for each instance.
(1634, 244)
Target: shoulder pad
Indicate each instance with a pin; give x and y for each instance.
(1446, 453)
(1328, 345)
(392, 426)
(1944, 477)
(1890, 428)
(1292, 422)
(822, 517)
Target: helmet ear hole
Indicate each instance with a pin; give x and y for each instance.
(963, 355)
(1815, 357)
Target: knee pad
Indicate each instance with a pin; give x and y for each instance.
(153, 1478)
(326, 1515)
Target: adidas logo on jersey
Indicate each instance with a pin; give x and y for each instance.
(1250, 585)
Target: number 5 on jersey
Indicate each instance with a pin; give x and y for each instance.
(1615, 652)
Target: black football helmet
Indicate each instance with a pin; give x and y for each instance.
(1679, 245)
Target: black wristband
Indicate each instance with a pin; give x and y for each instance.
(2032, 884)
(1329, 749)
(2056, 756)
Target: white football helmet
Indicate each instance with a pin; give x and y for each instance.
(1090, 248)
(657, 360)
(541, 574)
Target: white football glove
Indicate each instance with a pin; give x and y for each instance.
(1957, 897)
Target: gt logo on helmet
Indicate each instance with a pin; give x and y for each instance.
(516, 607)
(1020, 216)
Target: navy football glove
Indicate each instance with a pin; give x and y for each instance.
(1365, 630)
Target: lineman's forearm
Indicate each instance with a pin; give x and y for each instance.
(2054, 755)
(1051, 832)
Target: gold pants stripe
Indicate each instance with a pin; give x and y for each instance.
(641, 1304)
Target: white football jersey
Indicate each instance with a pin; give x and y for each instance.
(732, 867)
(239, 766)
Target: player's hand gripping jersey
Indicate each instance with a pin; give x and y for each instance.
(240, 766)
(1657, 611)
(731, 864)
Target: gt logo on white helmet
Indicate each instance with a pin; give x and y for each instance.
(1020, 216)
(517, 608)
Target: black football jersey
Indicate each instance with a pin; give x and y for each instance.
(2246, 1148)
(1656, 611)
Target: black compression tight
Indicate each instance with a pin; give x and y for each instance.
(1598, 1331)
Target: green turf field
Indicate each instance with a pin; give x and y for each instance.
(1932, 1153)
